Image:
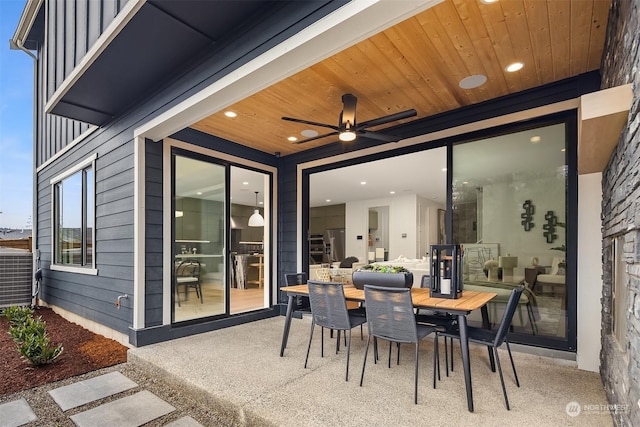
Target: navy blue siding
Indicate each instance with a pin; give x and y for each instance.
(153, 234)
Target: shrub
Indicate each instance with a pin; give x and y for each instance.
(38, 350)
(31, 336)
(30, 327)
(17, 315)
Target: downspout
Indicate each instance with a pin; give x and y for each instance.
(35, 286)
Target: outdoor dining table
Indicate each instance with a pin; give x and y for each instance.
(461, 307)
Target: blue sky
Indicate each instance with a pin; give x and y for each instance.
(16, 123)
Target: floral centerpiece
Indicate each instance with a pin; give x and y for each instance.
(382, 275)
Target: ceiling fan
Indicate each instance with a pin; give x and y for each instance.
(348, 129)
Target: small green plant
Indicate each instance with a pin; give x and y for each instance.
(38, 350)
(30, 327)
(384, 268)
(17, 315)
(31, 336)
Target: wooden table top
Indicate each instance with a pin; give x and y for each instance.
(469, 301)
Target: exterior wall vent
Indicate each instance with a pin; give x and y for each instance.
(16, 272)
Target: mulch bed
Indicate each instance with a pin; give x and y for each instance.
(83, 351)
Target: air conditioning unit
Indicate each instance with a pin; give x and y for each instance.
(16, 272)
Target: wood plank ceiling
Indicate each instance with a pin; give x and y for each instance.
(419, 64)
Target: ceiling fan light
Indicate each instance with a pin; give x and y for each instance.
(347, 136)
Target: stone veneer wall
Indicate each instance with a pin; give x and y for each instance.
(620, 370)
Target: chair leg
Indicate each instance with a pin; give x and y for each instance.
(513, 366)
(415, 386)
(309, 346)
(504, 389)
(321, 342)
(446, 357)
(532, 319)
(436, 359)
(364, 363)
(390, 345)
(348, 352)
(398, 356)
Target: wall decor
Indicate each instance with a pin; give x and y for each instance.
(527, 216)
(550, 226)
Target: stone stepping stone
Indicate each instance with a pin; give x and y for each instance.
(184, 422)
(130, 411)
(16, 413)
(83, 392)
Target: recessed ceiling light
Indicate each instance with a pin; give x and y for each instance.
(199, 193)
(328, 200)
(514, 67)
(309, 133)
(563, 150)
(535, 139)
(231, 114)
(465, 182)
(473, 81)
(392, 192)
(363, 182)
(444, 169)
(245, 183)
(292, 139)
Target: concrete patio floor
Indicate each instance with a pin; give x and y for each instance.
(239, 371)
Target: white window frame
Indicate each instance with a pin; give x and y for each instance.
(89, 269)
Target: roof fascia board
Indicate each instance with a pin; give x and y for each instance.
(340, 29)
(115, 27)
(27, 19)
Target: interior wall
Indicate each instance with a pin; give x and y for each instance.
(402, 221)
(504, 226)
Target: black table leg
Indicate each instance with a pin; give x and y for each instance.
(487, 325)
(466, 363)
(287, 325)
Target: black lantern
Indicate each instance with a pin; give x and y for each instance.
(446, 271)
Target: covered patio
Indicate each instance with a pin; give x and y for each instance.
(238, 371)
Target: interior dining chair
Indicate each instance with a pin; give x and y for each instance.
(390, 317)
(329, 310)
(188, 276)
(493, 339)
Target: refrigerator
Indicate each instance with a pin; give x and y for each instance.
(334, 244)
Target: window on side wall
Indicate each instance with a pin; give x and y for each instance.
(73, 218)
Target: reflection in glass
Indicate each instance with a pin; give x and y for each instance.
(199, 260)
(509, 212)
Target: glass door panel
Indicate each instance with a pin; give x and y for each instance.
(509, 210)
(199, 198)
(249, 262)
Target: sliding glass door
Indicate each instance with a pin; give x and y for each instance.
(509, 211)
(199, 199)
(220, 229)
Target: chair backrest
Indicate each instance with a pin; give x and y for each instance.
(188, 268)
(328, 305)
(295, 279)
(425, 282)
(390, 313)
(507, 316)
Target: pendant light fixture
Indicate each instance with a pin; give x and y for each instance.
(256, 220)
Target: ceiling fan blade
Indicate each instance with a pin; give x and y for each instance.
(316, 137)
(386, 119)
(307, 122)
(348, 114)
(379, 136)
